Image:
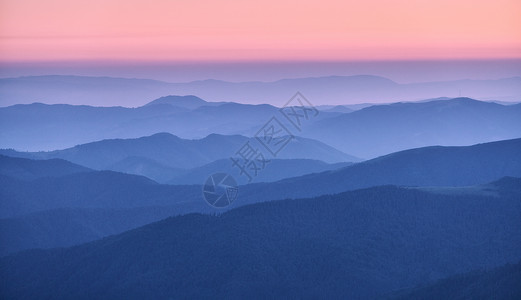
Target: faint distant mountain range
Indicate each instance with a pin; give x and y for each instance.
(106, 91)
(48, 127)
(382, 129)
(165, 157)
(40, 126)
(366, 133)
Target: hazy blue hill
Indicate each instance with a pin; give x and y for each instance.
(50, 203)
(345, 108)
(340, 109)
(314, 149)
(37, 126)
(365, 133)
(382, 129)
(499, 283)
(67, 210)
(234, 110)
(163, 148)
(40, 126)
(361, 244)
(428, 166)
(435, 169)
(163, 155)
(72, 226)
(30, 169)
(82, 89)
(146, 167)
(97, 189)
(189, 101)
(276, 169)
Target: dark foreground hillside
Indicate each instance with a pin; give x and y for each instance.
(499, 283)
(362, 244)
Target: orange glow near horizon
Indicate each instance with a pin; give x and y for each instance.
(228, 30)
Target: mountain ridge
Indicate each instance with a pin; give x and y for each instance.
(381, 129)
(337, 89)
(368, 132)
(162, 153)
(421, 169)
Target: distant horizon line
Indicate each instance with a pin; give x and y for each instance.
(248, 81)
(400, 71)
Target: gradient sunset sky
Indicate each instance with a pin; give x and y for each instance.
(239, 30)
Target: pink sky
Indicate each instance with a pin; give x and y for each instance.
(225, 30)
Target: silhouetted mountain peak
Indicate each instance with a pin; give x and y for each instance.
(447, 102)
(439, 150)
(160, 136)
(188, 101)
(462, 99)
(403, 108)
(467, 101)
(221, 137)
(28, 169)
(158, 139)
